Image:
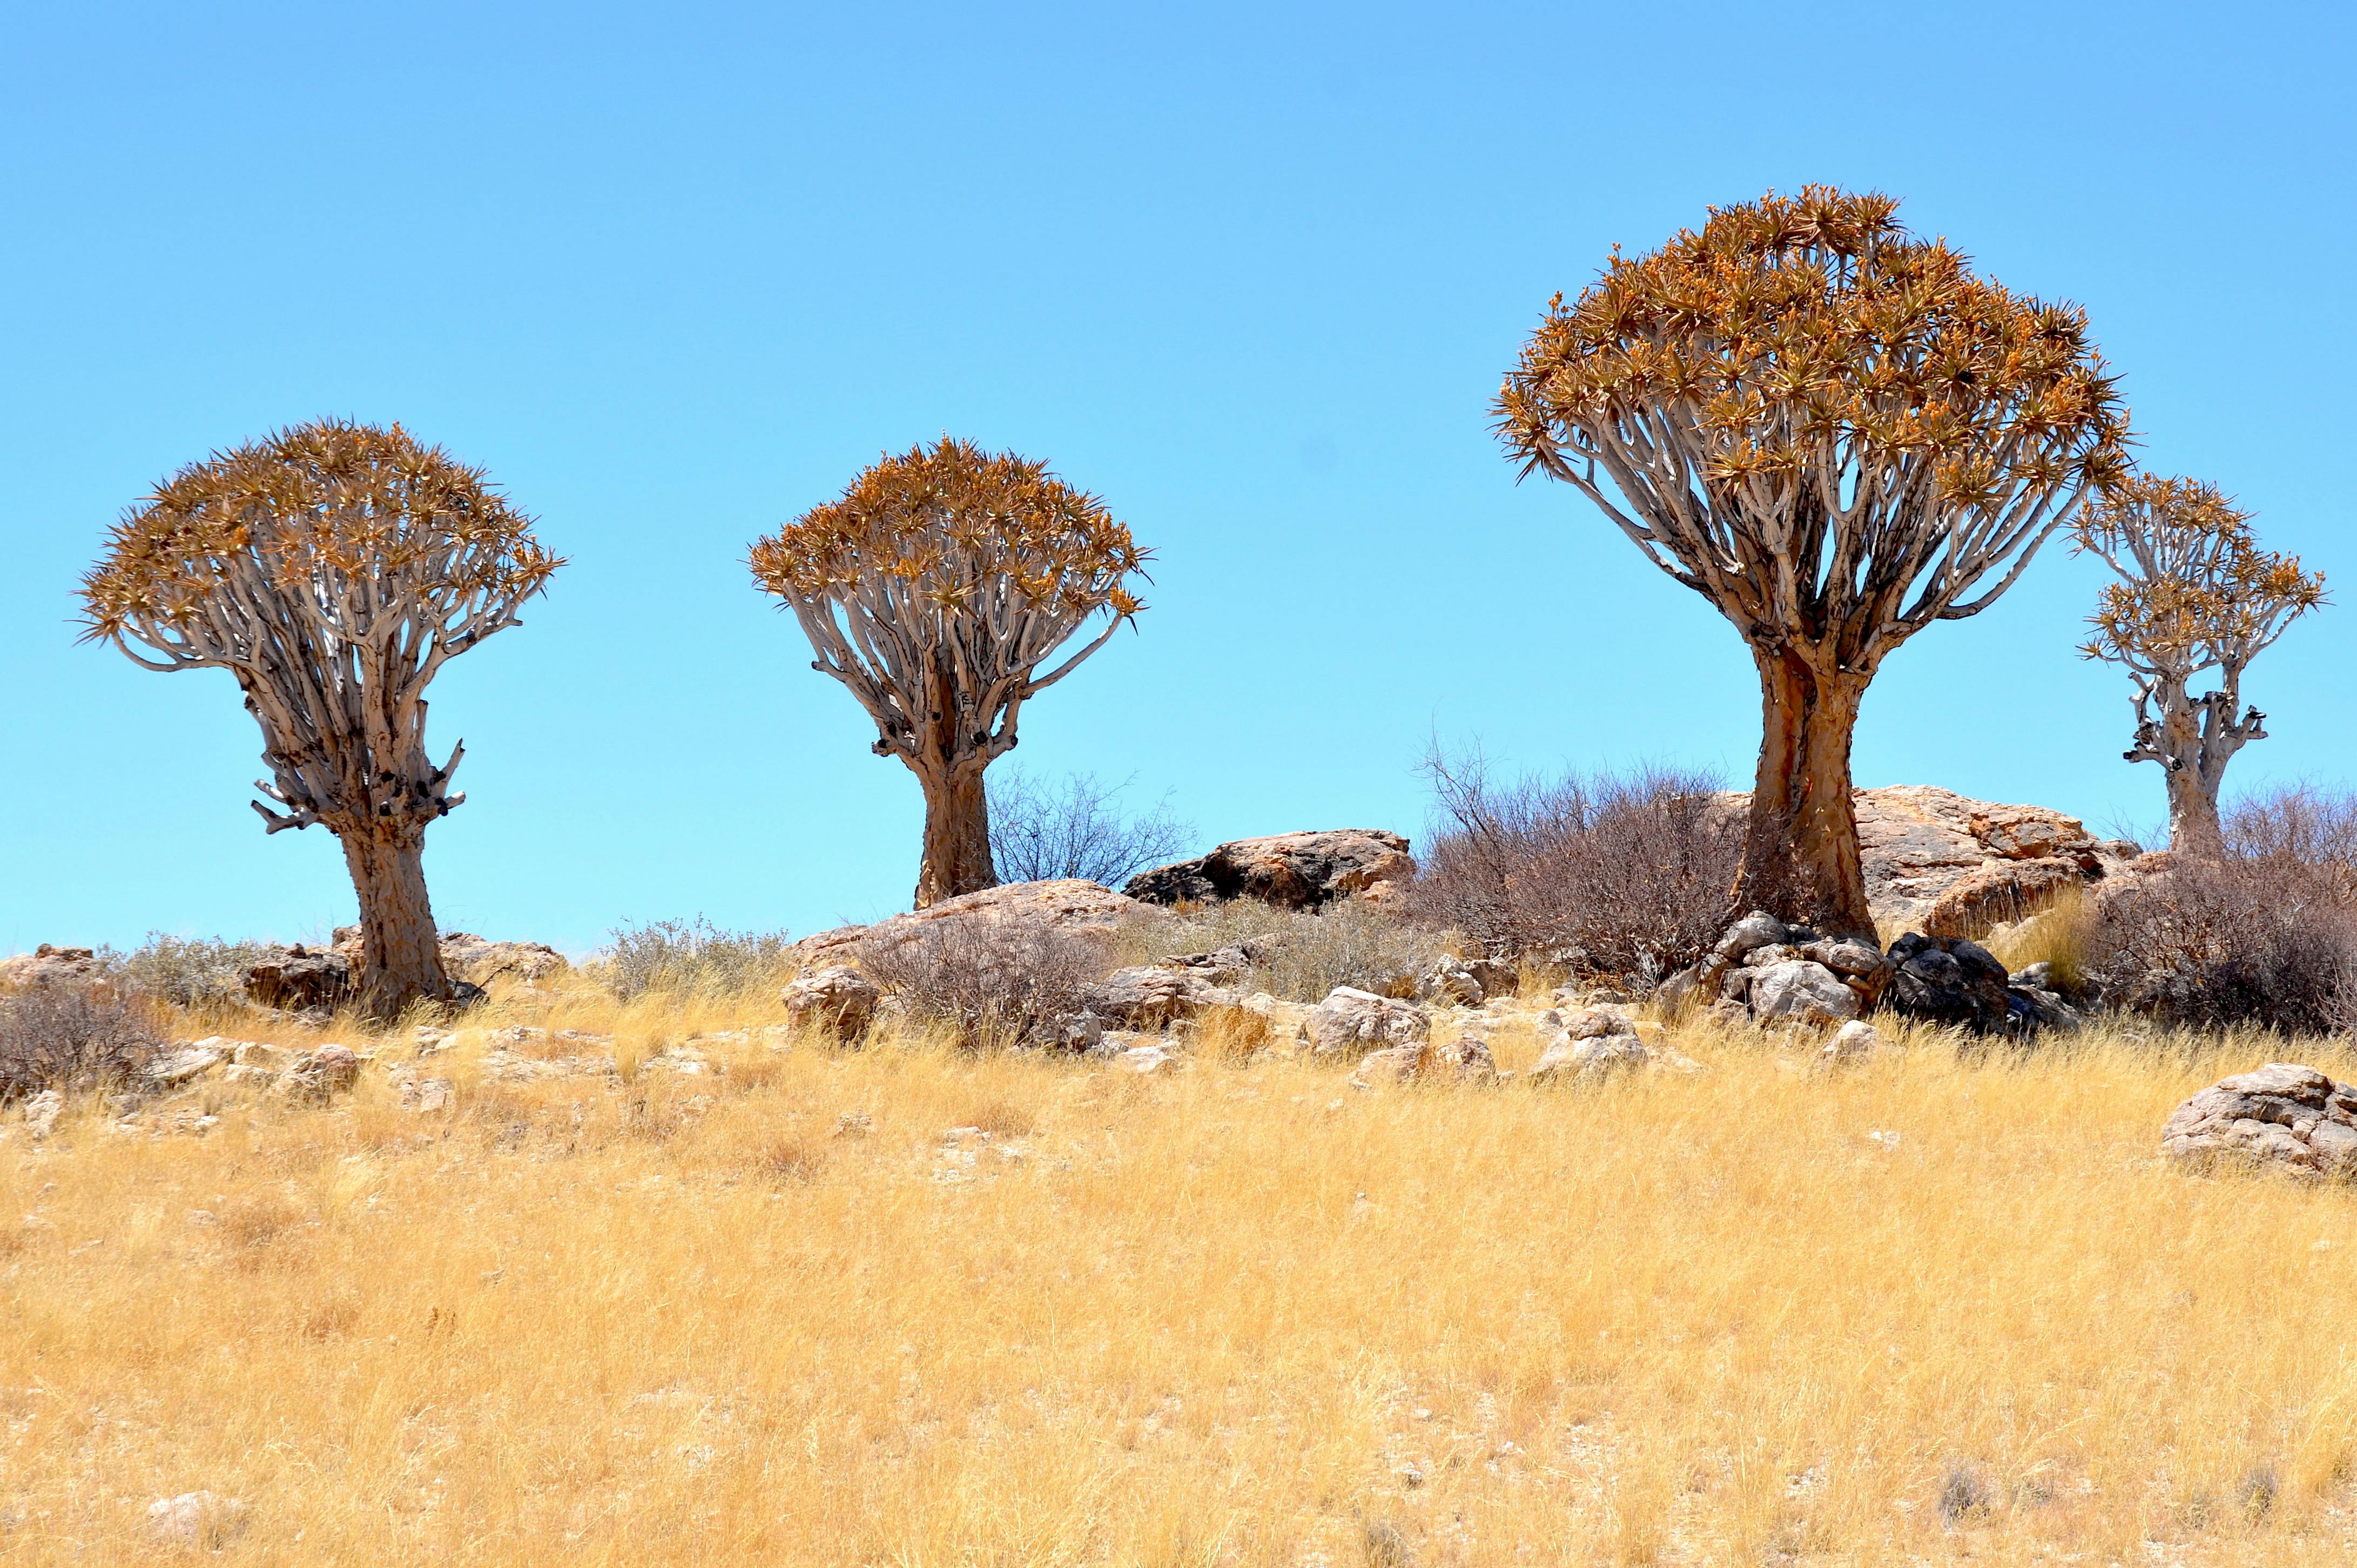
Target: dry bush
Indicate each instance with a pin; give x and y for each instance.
(2270, 941)
(73, 1036)
(693, 958)
(1602, 873)
(2300, 822)
(996, 983)
(189, 971)
(1300, 955)
(1039, 833)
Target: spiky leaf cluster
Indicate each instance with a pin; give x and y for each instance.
(957, 528)
(1807, 412)
(359, 528)
(2195, 592)
(950, 566)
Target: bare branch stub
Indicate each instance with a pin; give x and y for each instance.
(2196, 596)
(332, 568)
(1836, 433)
(935, 590)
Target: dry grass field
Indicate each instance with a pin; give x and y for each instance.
(1235, 1312)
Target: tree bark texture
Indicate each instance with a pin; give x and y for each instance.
(2193, 825)
(1800, 857)
(401, 957)
(957, 836)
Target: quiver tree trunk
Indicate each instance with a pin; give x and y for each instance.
(2193, 825)
(1801, 855)
(957, 836)
(401, 956)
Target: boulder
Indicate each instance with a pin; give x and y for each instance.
(2284, 1117)
(1498, 978)
(1449, 983)
(316, 1077)
(1144, 1060)
(1465, 1060)
(834, 998)
(1068, 904)
(1758, 930)
(48, 965)
(1359, 1021)
(1852, 1043)
(189, 1063)
(479, 962)
(1292, 871)
(1949, 980)
(1590, 1060)
(426, 1096)
(1151, 997)
(1800, 992)
(298, 980)
(41, 1113)
(1596, 1024)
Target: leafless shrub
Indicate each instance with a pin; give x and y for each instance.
(188, 971)
(1039, 832)
(2269, 939)
(692, 956)
(71, 1036)
(2302, 822)
(997, 982)
(1606, 874)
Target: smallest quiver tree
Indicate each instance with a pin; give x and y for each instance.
(2196, 596)
(934, 590)
(332, 568)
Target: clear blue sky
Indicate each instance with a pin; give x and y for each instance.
(673, 273)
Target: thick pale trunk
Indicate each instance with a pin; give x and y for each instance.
(400, 959)
(1801, 859)
(2193, 827)
(957, 837)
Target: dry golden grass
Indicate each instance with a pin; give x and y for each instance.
(1240, 1314)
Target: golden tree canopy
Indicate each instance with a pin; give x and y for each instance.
(1827, 426)
(950, 563)
(359, 530)
(2195, 591)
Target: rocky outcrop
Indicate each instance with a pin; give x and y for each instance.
(2284, 1117)
(48, 965)
(1068, 904)
(1950, 867)
(835, 999)
(1292, 871)
(1353, 1022)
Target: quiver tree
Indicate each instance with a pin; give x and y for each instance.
(1838, 434)
(934, 590)
(2196, 596)
(331, 568)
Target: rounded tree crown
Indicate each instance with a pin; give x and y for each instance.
(2194, 586)
(351, 519)
(1795, 329)
(961, 527)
